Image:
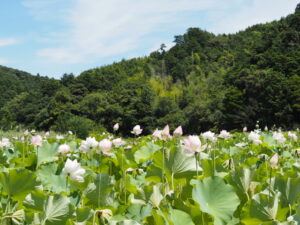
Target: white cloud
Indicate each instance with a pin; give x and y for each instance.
(100, 29)
(7, 41)
(96, 29)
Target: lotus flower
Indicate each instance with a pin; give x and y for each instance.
(89, 144)
(278, 136)
(192, 145)
(117, 142)
(255, 138)
(105, 146)
(245, 129)
(64, 149)
(137, 130)
(224, 134)
(292, 136)
(165, 133)
(73, 170)
(59, 137)
(178, 131)
(37, 140)
(5, 142)
(116, 127)
(274, 161)
(208, 135)
(157, 134)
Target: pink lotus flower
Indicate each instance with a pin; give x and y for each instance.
(178, 131)
(274, 161)
(192, 145)
(64, 149)
(105, 146)
(37, 140)
(165, 133)
(117, 142)
(157, 134)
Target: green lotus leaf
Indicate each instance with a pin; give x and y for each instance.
(216, 198)
(17, 183)
(179, 217)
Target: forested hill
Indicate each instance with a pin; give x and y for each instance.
(205, 81)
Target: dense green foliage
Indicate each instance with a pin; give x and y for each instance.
(205, 81)
(227, 179)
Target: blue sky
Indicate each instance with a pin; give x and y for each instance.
(53, 37)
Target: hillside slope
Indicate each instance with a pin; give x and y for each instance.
(205, 81)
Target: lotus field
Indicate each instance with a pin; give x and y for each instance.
(225, 178)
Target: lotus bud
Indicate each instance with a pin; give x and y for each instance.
(105, 146)
(116, 127)
(274, 161)
(137, 130)
(178, 131)
(37, 140)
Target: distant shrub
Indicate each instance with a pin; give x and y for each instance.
(80, 126)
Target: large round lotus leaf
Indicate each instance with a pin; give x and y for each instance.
(216, 198)
(17, 183)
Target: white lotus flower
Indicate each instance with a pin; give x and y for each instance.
(245, 129)
(255, 138)
(192, 145)
(292, 136)
(64, 149)
(278, 136)
(47, 134)
(117, 142)
(224, 134)
(266, 128)
(208, 135)
(73, 170)
(4, 143)
(105, 146)
(137, 130)
(116, 127)
(89, 144)
(37, 140)
(241, 144)
(178, 131)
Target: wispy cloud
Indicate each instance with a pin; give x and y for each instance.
(99, 29)
(95, 29)
(7, 41)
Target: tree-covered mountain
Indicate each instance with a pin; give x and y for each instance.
(205, 81)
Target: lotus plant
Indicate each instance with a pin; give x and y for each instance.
(73, 170)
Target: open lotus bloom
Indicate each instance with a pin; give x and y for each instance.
(117, 142)
(64, 149)
(224, 134)
(255, 138)
(178, 131)
(116, 127)
(278, 136)
(5, 142)
(137, 130)
(208, 135)
(73, 170)
(89, 144)
(37, 140)
(274, 161)
(192, 145)
(105, 146)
